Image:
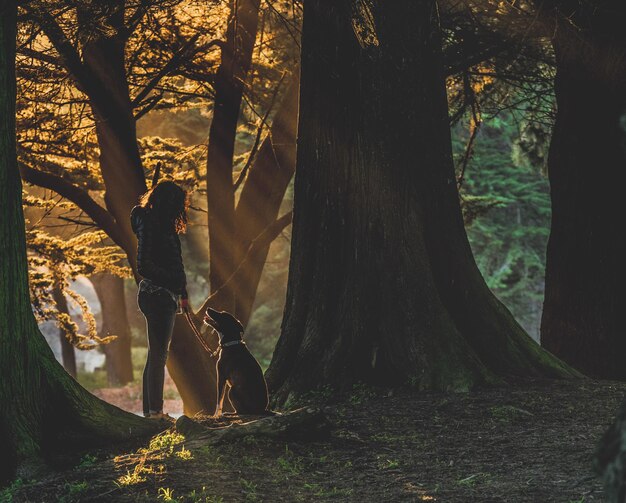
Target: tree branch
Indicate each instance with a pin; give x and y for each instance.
(64, 47)
(257, 140)
(101, 217)
(265, 238)
(41, 56)
(174, 61)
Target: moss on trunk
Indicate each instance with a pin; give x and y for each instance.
(41, 407)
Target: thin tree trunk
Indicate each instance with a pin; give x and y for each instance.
(583, 321)
(120, 161)
(68, 354)
(110, 291)
(42, 409)
(262, 196)
(382, 285)
(229, 87)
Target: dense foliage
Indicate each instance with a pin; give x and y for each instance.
(510, 229)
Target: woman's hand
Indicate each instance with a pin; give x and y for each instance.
(184, 304)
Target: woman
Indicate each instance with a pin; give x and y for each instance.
(157, 221)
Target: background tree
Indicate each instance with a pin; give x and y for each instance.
(585, 271)
(506, 206)
(42, 407)
(110, 290)
(372, 296)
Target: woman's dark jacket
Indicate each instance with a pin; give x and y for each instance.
(159, 256)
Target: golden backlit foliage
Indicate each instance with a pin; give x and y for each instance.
(172, 51)
(54, 263)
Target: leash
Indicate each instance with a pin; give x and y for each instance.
(198, 335)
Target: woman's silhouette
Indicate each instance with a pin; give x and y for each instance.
(157, 221)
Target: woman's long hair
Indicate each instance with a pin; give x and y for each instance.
(168, 203)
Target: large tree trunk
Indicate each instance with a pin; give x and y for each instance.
(383, 286)
(68, 354)
(110, 291)
(583, 317)
(42, 408)
(229, 86)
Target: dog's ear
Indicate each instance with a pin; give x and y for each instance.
(238, 324)
(212, 313)
(234, 323)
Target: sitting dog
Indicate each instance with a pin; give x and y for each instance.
(237, 367)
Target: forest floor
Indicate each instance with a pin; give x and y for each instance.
(531, 442)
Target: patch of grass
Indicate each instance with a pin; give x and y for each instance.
(361, 393)
(291, 466)
(249, 489)
(148, 461)
(202, 497)
(93, 380)
(165, 441)
(250, 461)
(289, 463)
(388, 464)
(184, 454)
(210, 457)
(166, 494)
(8, 493)
(136, 476)
(322, 492)
(73, 491)
(87, 461)
(256, 441)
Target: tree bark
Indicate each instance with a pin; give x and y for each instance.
(68, 354)
(42, 409)
(110, 291)
(382, 285)
(583, 320)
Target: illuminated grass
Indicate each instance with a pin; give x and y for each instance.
(150, 460)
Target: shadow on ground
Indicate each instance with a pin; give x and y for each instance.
(527, 443)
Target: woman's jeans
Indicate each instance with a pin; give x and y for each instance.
(159, 309)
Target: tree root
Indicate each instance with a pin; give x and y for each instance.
(307, 423)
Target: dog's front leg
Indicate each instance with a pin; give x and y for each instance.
(221, 392)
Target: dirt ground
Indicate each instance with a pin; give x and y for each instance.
(527, 443)
(129, 397)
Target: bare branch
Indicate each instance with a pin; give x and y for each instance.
(265, 238)
(78, 196)
(257, 140)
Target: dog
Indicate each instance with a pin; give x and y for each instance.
(237, 368)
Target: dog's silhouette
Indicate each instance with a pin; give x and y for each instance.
(237, 368)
